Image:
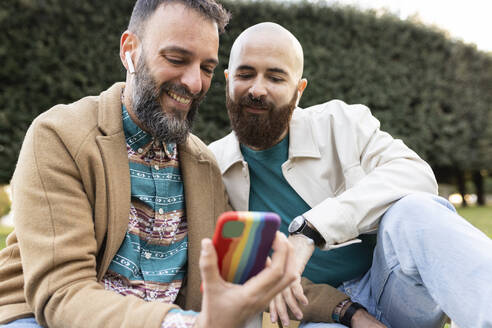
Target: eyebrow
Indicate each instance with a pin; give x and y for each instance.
(271, 70)
(185, 52)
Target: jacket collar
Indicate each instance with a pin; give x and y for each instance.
(230, 151)
(302, 142)
(109, 115)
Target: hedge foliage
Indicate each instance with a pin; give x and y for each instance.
(432, 92)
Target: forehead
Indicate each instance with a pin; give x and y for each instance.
(263, 52)
(178, 25)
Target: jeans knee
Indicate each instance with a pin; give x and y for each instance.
(414, 210)
(423, 201)
(414, 200)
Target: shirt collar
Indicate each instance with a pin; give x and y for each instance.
(302, 141)
(139, 140)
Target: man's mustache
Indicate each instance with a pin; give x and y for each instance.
(180, 90)
(259, 103)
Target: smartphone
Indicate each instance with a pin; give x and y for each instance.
(243, 241)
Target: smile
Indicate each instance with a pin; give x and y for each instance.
(180, 99)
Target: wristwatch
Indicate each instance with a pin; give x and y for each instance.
(346, 320)
(299, 226)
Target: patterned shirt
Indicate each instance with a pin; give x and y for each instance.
(151, 261)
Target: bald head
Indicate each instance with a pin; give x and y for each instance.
(264, 84)
(275, 41)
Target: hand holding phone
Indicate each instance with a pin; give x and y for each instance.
(242, 241)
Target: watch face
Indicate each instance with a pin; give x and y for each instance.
(296, 224)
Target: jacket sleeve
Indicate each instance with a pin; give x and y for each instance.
(55, 229)
(322, 298)
(378, 170)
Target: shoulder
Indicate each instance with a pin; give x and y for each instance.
(76, 120)
(335, 115)
(66, 124)
(79, 115)
(334, 110)
(223, 146)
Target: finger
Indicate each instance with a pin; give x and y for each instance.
(209, 270)
(273, 312)
(281, 310)
(281, 247)
(292, 303)
(298, 291)
(291, 264)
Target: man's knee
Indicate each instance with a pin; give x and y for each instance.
(420, 201)
(415, 210)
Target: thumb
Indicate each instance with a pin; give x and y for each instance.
(209, 270)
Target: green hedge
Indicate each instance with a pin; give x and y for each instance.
(432, 92)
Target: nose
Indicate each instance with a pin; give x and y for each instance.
(192, 79)
(258, 89)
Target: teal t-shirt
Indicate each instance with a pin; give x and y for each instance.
(271, 192)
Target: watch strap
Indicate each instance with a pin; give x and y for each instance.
(313, 234)
(346, 319)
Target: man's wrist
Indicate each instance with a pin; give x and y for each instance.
(303, 239)
(304, 248)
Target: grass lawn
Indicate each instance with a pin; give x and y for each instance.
(4, 231)
(480, 217)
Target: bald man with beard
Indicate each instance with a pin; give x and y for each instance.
(370, 234)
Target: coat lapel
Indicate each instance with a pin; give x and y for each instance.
(115, 160)
(112, 146)
(200, 212)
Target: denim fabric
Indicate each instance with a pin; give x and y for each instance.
(428, 261)
(22, 323)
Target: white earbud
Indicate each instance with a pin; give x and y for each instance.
(298, 98)
(129, 62)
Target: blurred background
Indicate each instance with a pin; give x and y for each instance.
(423, 67)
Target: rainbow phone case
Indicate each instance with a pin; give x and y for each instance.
(242, 254)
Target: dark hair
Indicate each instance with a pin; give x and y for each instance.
(210, 9)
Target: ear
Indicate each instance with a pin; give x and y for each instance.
(128, 43)
(301, 86)
(226, 74)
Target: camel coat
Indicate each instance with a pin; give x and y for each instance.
(71, 201)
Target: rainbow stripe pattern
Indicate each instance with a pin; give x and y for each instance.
(242, 257)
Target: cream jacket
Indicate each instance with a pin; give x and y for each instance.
(341, 164)
(71, 203)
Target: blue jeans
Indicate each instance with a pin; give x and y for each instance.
(428, 261)
(23, 323)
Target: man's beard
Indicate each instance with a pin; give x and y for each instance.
(169, 126)
(260, 131)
